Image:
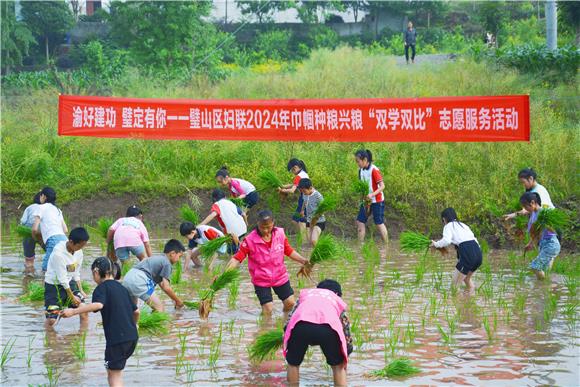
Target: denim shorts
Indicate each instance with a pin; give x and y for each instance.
(549, 249)
(123, 252)
(50, 243)
(378, 211)
(28, 245)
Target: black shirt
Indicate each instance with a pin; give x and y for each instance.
(117, 312)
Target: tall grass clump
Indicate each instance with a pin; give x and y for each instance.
(266, 345)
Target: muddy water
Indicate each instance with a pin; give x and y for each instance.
(532, 336)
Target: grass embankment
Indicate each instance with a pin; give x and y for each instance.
(479, 180)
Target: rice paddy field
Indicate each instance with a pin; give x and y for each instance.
(514, 331)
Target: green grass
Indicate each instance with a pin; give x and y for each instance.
(33, 155)
(397, 368)
(266, 345)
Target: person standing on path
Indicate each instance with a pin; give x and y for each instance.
(410, 38)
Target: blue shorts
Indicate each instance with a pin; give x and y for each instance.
(50, 243)
(549, 249)
(251, 199)
(296, 217)
(378, 211)
(123, 252)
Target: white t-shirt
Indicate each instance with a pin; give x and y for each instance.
(28, 215)
(51, 220)
(228, 217)
(455, 233)
(544, 195)
(63, 266)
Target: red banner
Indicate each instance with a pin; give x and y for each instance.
(442, 119)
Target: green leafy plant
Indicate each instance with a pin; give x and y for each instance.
(154, 323)
(239, 202)
(326, 249)
(34, 292)
(78, 347)
(6, 352)
(552, 219)
(413, 242)
(103, 226)
(397, 368)
(207, 250)
(24, 231)
(269, 179)
(266, 345)
(176, 273)
(188, 214)
(329, 203)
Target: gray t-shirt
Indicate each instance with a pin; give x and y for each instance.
(156, 268)
(311, 203)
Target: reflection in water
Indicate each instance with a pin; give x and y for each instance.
(513, 331)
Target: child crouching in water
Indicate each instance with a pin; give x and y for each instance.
(546, 239)
(469, 256)
(318, 318)
(265, 248)
(119, 313)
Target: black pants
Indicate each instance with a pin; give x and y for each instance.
(412, 51)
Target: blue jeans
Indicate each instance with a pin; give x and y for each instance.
(549, 249)
(50, 243)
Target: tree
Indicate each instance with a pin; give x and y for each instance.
(168, 35)
(16, 37)
(262, 9)
(569, 17)
(492, 15)
(308, 10)
(48, 21)
(356, 6)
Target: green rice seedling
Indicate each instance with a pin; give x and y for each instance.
(189, 372)
(53, 375)
(234, 291)
(6, 352)
(34, 292)
(420, 269)
(329, 203)
(413, 242)
(551, 218)
(191, 304)
(154, 323)
(207, 250)
(398, 368)
(78, 347)
(445, 337)
(571, 283)
(215, 348)
(570, 311)
(24, 231)
(451, 323)
(410, 333)
(360, 188)
(188, 214)
(239, 202)
(127, 265)
(87, 288)
(266, 345)
(103, 226)
(520, 302)
(180, 356)
(30, 352)
(370, 252)
(394, 340)
(223, 280)
(488, 330)
(326, 249)
(176, 273)
(269, 179)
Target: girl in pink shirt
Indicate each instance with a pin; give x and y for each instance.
(318, 318)
(238, 188)
(129, 235)
(265, 248)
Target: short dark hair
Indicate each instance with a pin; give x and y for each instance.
(217, 194)
(296, 163)
(50, 194)
(526, 173)
(106, 267)
(331, 285)
(449, 215)
(265, 215)
(186, 228)
(78, 235)
(527, 198)
(133, 211)
(364, 154)
(305, 183)
(173, 245)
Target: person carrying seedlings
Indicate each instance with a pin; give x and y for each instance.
(318, 318)
(142, 278)
(119, 313)
(28, 242)
(265, 248)
(369, 173)
(528, 178)
(239, 188)
(298, 168)
(48, 224)
(198, 236)
(469, 255)
(129, 235)
(547, 240)
(311, 200)
(229, 216)
(62, 281)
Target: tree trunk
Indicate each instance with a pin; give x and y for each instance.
(46, 46)
(429, 19)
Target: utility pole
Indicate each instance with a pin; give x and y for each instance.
(551, 25)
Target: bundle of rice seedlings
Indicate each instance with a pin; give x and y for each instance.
(266, 345)
(24, 231)
(329, 203)
(34, 292)
(521, 222)
(155, 323)
(397, 368)
(176, 273)
(326, 249)
(208, 249)
(224, 279)
(413, 242)
(191, 304)
(361, 188)
(552, 219)
(269, 179)
(239, 202)
(188, 214)
(103, 226)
